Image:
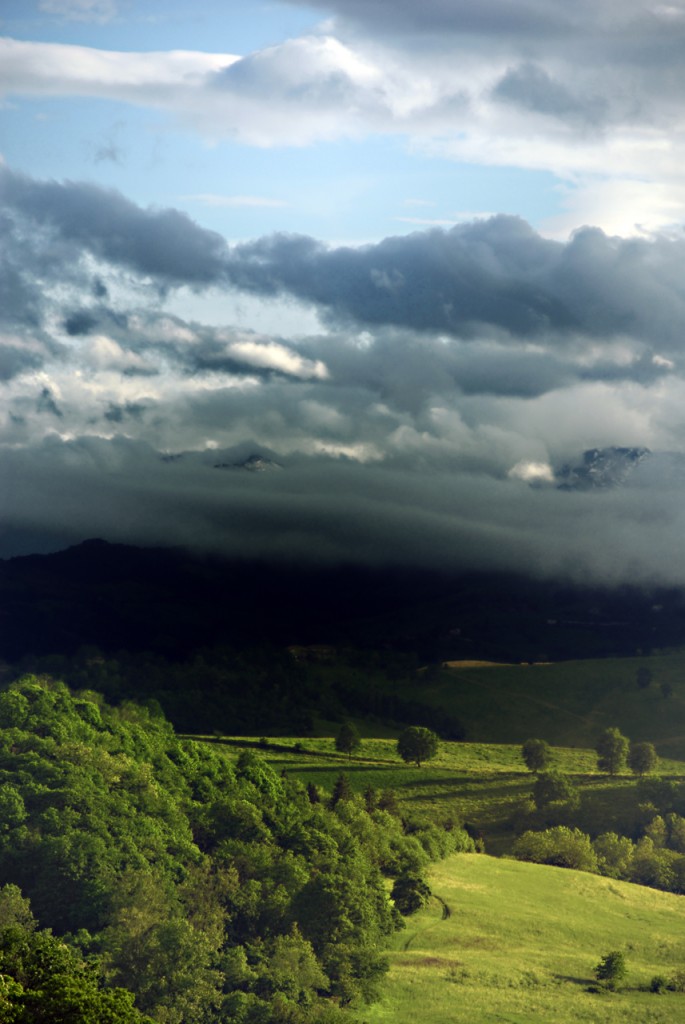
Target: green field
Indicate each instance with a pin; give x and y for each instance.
(503, 941)
(479, 783)
(567, 703)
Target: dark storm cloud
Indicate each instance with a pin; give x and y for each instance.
(164, 244)
(496, 273)
(336, 511)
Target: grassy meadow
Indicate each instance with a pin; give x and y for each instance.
(479, 783)
(504, 941)
(501, 940)
(567, 703)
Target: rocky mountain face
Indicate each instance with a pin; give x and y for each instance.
(602, 467)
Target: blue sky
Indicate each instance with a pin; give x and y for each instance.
(427, 253)
(342, 188)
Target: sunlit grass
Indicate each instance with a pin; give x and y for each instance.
(478, 783)
(520, 944)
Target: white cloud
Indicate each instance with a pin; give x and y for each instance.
(273, 356)
(532, 472)
(586, 101)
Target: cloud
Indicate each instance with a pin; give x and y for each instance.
(331, 510)
(456, 368)
(164, 244)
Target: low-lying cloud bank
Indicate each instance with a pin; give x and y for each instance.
(318, 510)
(454, 373)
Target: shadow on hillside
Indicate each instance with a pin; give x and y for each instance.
(336, 769)
(574, 981)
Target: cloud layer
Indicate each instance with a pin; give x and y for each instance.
(455, 372)
(592, 92)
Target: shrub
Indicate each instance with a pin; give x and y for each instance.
(658, 984)
(642, 758)
(409, 893)
(561, 846)
(611, 969)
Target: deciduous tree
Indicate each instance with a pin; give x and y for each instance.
(642, 758)
(417, 744)
(348, 739)
(612, 750)
(536, 754)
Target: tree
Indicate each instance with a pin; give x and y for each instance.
(553, 787)
(410, 892)
(341, 790)
(612, 750)
(642, 758)
(611, 969)
(348, 739)
(536, 754)
(417, 744)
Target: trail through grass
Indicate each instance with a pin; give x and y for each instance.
(520, 945)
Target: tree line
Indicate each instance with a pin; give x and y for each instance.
(187, 889)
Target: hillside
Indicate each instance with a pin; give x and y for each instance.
(121, 597)
(568, 703)
(478, 783)
(520, 943)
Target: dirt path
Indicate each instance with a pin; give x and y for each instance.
(445, 912)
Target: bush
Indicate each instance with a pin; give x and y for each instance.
(561, 846)
(677, 982)
(658, 984)
(409, 893)
(552, 788)
(611, 969)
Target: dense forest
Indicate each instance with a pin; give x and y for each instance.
(147, 878)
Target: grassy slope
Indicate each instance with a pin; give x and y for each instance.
(567, 703)
(475, 782)
(520, 945)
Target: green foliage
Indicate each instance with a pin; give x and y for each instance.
(612, 751)
(410, 892)
(209, 893)
(553, 787)
(417, 744)
(611, 969)
(565, 847)
(45, 981)
(348, 739)
(614, 855)
(536, 754)
(642, 758)
(341, 790)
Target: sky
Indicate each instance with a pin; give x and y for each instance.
(420, 256)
